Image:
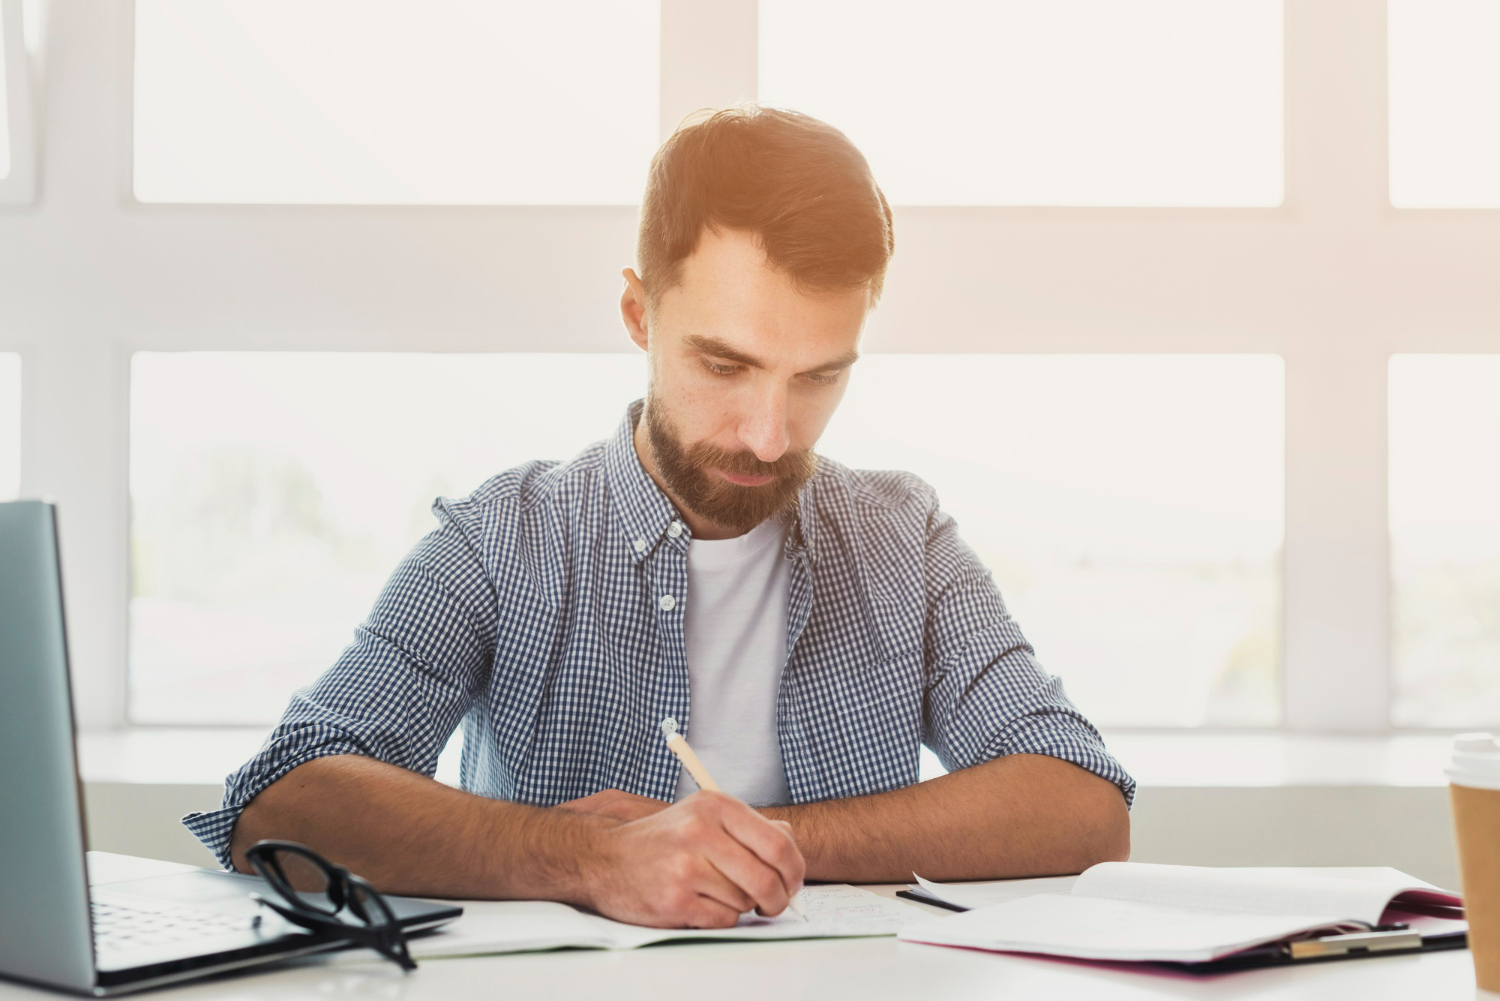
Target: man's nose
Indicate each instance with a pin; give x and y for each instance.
(764, 431)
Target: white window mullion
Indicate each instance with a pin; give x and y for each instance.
(18, 183)
(708, 56)
(1336, 635)
(1336, 654)
(1336, 173)
(74, 451)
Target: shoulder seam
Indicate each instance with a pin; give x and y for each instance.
(857, 483)
(531, 483)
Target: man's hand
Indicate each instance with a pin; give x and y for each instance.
(700, 863)
(615, 804)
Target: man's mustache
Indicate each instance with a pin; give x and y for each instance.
(704, 456)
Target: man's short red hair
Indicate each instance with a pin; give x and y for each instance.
(798, 184)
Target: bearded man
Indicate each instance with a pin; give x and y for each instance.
(808, 626)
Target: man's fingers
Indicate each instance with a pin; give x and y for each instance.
(701, 863)
(711, 913)
(771, 841)
(717, 885)
(760, 882)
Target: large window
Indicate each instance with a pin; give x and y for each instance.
(1445, 103)
(1130, 508)
(10, 425)
(1089, 216)
(390, 102)
(1069, 102)
(1445, 539)
(273, 494)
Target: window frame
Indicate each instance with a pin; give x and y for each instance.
(1334, 280)
(18, 186)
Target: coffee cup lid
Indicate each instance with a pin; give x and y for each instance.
(1476, 761)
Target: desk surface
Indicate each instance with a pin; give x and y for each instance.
(831, 968)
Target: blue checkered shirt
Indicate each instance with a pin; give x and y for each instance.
(537, 616)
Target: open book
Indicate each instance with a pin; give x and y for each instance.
(496, 926)
(1175, 913)
(967, 896)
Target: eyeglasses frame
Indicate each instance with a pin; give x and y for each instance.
(346, 891)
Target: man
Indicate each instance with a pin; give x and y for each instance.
(807, 625)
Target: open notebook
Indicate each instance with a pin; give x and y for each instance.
(1185, 914)
(496, 926)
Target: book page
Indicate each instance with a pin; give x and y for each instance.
(1110, 929)
(1274, 891)
(973, 895)
(1364, 873)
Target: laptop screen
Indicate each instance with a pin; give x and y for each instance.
(44, 904)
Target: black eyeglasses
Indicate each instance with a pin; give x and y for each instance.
(328, 899)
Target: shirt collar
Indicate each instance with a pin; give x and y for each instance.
(645, 512)
(648, 516)
(802, 534)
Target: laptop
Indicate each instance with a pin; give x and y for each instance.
(121, 936)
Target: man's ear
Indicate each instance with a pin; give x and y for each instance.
(633, 308)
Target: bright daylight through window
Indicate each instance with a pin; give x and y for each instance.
(1445, 539)
(388, 102)
(1130, 508)
(1444, 103)
(272, 495)
(10, 425)
(1070, 102)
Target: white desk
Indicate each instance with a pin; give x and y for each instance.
(814, 970)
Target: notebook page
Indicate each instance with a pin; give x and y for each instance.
(1247, 891)
(491, 927)
(837, 911)
(496, 926)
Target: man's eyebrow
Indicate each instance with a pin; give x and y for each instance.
(719, 349)
(842, 361)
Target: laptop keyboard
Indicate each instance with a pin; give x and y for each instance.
(120, 926)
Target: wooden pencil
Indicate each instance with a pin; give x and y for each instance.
(694, 766)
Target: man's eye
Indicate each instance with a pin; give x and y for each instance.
(717, 369)
(825, 378)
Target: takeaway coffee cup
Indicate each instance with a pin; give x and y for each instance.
(1474, 789)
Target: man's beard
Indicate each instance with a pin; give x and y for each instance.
(687, 473)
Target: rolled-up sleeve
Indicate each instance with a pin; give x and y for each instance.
(986, 695)
(400, 689)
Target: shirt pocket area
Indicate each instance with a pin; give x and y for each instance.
(883, 687)
(871, 740)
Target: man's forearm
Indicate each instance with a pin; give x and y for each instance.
(699, 863)
(409, 834)
(1021, 815)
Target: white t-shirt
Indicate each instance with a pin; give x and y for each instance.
(738, 592)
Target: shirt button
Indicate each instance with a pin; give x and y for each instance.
(674, 529)
(666, 603)
(640, 545)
